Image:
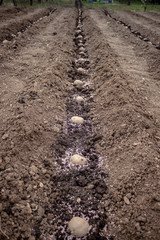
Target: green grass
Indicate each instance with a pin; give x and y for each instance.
(63, 3)
(94, 5)
(49, 3)
(117, 6)
(135, 7)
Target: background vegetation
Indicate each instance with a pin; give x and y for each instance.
(137, 5)
(40, 3)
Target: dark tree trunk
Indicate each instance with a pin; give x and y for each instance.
(78, 3)
(31, 2)
(129, 2)
(1, 2)
(15, 3)
(39, 1)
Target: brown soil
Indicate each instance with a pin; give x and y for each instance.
(126, 113)
(123, 103)
(153, 16)
(32, 113)
(14, 20)
(149, 28)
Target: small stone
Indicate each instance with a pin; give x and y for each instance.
(90, 186)
(136, 143)
(56, 129)
(5, 136)
(77, 119)
(33, 170)
(79, 99)
(128, 195)
(78, 83)
(41, 184)
(78, 200)
(34, 207)
(77, 159)
(106, 203)
(126, 200)
(29, 188)
(44, 171)
(78, 227)
(5, 41)
(123, 125)
(141, 219)
(21, 100)
(106, 167)
(29, 210)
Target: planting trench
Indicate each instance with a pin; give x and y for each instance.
(81, 185)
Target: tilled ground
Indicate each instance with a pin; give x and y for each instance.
(117, 191)
(126, 112)
(33, 89)
(143, 25)
(14, 21)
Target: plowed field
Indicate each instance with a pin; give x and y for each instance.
(115, 55)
